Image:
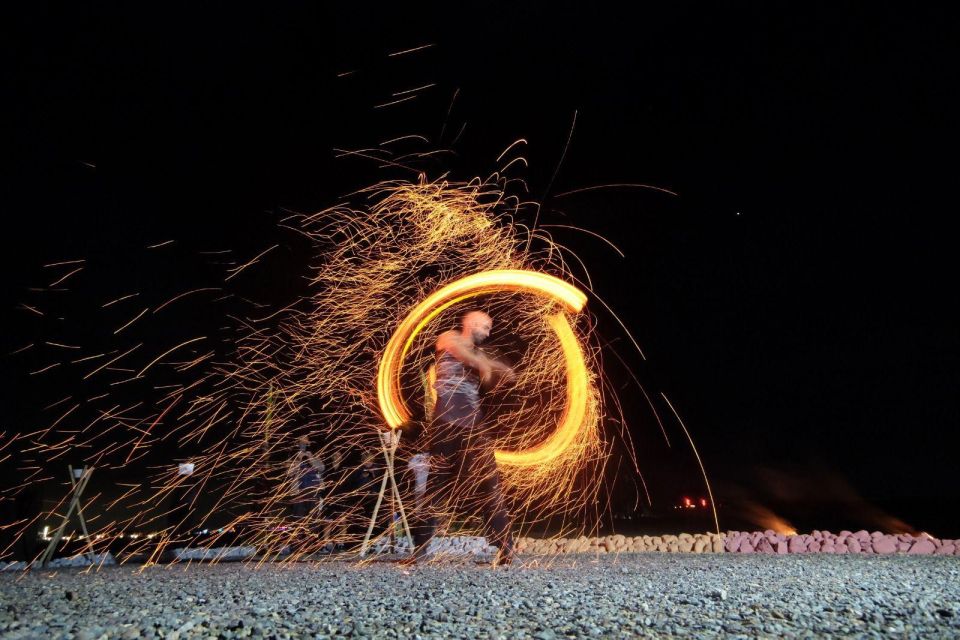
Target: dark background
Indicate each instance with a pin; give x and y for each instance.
(796, 300)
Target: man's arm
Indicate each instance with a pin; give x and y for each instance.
(453, 344)
(500, 370)
(484, 365)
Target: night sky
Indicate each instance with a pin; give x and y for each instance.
(796, 299)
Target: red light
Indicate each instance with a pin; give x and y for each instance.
(703, 502)
(686, 502)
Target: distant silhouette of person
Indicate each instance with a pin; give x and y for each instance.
(334, 525)
(306, 473)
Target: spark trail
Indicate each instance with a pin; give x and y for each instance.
(314, 369)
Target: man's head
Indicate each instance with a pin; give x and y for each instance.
(477, 326)
(303, 443)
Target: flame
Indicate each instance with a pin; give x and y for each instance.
(388, 376)
(575, 412)
(767, 519)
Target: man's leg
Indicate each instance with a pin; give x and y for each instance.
(435, 499)
(496, 518)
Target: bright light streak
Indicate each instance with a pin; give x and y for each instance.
(391, 403)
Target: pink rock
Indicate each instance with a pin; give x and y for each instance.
(854, 545)
(814, 547)
(862, 535)
(876, 535)
(797, 545)
(755, 538)
(764, 546)
(946, 550)
(816, 535)
(845, 534)
(731, 544)
(866, 547)
(746, 547)
(828, 547)
(885, 545)
(922, 548)
(903, 546)
(769, 532)
(782, 547)
(841, 548)
(905, 537)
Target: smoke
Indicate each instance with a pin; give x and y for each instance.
(776, 498)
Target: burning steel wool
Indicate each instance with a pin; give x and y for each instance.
(309, 389)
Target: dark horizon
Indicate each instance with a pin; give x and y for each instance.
(792, 299)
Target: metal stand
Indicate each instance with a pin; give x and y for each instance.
(78, 482)
(389, 441)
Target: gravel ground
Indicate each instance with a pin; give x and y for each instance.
(567, 596)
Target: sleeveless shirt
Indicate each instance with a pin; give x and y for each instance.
(458, 392)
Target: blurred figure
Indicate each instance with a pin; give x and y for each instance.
(461, 454)
(306, 476)
(419, 466)
(334, 522)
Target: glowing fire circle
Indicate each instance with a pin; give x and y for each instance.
(392, 406)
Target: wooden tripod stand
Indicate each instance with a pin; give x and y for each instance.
(389, 441)
(78, 482)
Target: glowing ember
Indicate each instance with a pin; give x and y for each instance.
(388, 277)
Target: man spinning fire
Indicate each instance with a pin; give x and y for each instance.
(463, 471)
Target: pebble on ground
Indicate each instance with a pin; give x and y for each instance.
(610, 596)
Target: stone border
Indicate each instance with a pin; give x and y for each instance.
(682, 543)
(859, 542)
(769, 542)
